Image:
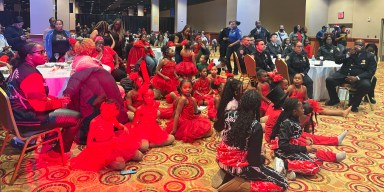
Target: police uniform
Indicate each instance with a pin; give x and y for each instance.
(263, 34)
(329, 52)
(264, 61)
(299, 63)
(362, 65)
(243, 50)
(287, 50)
(274, 49)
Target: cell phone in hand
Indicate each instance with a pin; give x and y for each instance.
(128, 172)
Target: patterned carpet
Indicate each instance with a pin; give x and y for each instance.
(189, 167)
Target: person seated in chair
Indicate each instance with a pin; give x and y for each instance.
(371, 47)
(244, 49)
(262, 57)
(273, 48)
(328, 51)
(358, 67)
(298, 62)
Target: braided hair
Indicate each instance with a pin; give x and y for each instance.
(289, 105)
(248, 111)
(231, 88)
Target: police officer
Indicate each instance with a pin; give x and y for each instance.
(298, 62)
(260, 32)
(273, 48)
(358, 67)
(244, 49)
(262, 57)
(328, 51)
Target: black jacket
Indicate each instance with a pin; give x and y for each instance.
(361, 64)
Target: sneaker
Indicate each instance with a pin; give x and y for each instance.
(372, 99)
(291, 175)
(355, 109)
(19, 144)
(341, 156)
(279, 165)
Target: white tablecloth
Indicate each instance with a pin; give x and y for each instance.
(318, 75)
(56, 80)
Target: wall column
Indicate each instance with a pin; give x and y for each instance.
(140, 10)
(180, 14)
(248, 12)
(63, 13)
(155, 12)
(39, 18)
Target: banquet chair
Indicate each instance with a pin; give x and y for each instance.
(282, 68)
(250, 65)
(7, 122)
(350, 90)
(243, 74)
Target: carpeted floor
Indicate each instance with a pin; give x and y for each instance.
(189, 167)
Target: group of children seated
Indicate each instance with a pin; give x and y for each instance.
(275, 110)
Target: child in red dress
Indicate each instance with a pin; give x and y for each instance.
(166, 79)
(105, 147)
(202, 89)
(186, 125)
(144, 123)
(133, 99)
(217, 84)
(299, 91)
(187, 68)
(263, 90)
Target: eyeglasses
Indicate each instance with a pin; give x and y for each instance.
(41, 52)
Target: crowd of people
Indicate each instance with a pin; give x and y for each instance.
(113, 107)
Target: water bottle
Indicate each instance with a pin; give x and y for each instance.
(313, 58)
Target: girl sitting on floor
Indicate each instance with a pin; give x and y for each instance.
(186, 124)
(263, 90)
(187, 68)
(299, 91)
(105, 146)
(202, 88)
(166, 79)
(240, 153)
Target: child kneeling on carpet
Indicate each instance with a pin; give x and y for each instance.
(105, 147)
(240, 153)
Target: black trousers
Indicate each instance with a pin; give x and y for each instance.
(373, 86)
(68, 119)
(363, 87)
(228, 55)
(223, 50)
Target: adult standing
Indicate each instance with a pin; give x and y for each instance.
(341, 38)
(223, 41)
(234, 37)
(184, 34)
(303, 32)
(30, 101)
(298, 62)
(358, 67)
(15, 34)
(102, 29)
(281, 35)
(320, 36)
(244, 49)
(52, 25)
(117, 31)
(262, 57)
(57, 42)
(296, 33)
(259, 32)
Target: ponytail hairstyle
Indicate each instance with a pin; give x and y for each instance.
(248, 112)
(289, 105)
(165, 50)
(22, 54)
(231, 88)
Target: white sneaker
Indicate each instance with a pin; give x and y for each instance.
(279, 165)
(291, 175)
(341, 156)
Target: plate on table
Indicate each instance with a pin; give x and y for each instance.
(201, 108)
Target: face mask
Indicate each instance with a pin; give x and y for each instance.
(281, 30)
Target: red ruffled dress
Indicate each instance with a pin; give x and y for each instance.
(145, 126)
(186, 67)
(107, 147)
(299, 94)
(190, 126)
(163, 85)
(265, 90)
(203, 86)
(136, 102)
